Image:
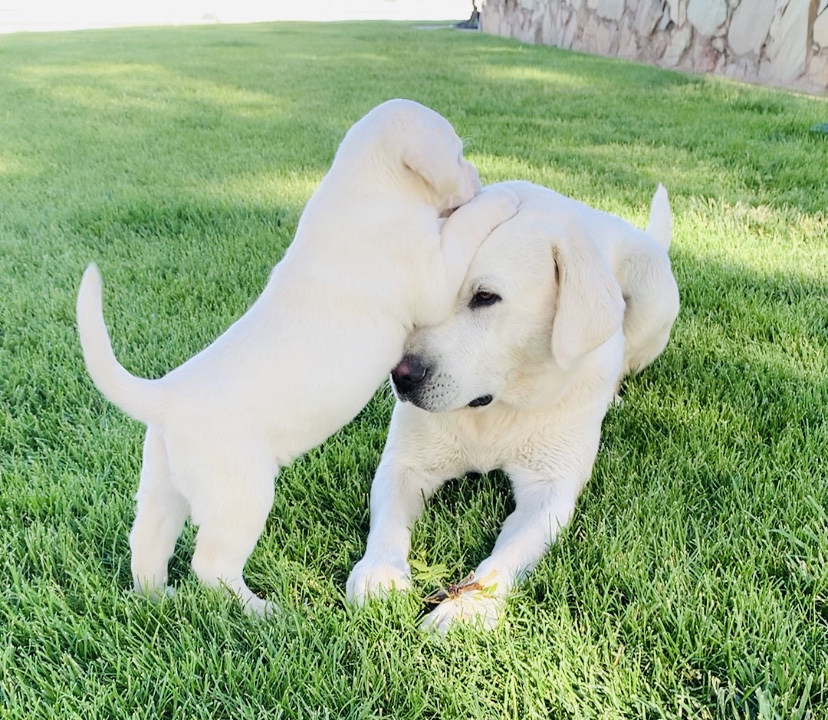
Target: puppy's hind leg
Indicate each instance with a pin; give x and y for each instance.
(231, 512)
(160, 516)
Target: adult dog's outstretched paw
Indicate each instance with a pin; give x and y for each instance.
(476, 607)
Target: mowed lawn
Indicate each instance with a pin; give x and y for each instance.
(693, 580)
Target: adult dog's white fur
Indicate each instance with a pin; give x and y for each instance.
(370, 260)
(584, 299)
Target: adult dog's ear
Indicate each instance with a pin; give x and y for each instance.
(590, 304)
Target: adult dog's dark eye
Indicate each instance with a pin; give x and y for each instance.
(483, 298)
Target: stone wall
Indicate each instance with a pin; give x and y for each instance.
(774, 42)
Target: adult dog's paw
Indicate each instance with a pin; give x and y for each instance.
(374, 579)
(476, 607)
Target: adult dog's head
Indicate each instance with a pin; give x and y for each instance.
(412, 146)
(538, 297)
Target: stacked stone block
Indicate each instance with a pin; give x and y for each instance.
(774, 42)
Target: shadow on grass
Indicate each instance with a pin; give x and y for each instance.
(284, 95)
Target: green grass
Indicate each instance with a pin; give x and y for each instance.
(693, 581)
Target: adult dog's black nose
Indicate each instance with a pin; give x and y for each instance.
(408, 374)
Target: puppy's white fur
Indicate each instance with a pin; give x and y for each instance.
(585, 299)
(371, 259)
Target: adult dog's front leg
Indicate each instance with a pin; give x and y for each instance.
(545, 500)
(542, 508)
(397, 497)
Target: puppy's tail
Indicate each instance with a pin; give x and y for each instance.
(136, 396)
(661, 221)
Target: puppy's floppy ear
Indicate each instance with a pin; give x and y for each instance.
(590, 304)
(431, 162)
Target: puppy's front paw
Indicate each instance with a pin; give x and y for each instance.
(372, 579)
(500, 202)
(476, 607)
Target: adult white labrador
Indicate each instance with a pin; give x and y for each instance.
(371, 258)
(559, 303)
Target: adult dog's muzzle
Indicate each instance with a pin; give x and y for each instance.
(408, 376)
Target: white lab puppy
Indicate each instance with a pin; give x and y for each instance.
(559, 303)
(371, 259)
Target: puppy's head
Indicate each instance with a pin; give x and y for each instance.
(418, 148)
(537, 298)
(433, 153)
